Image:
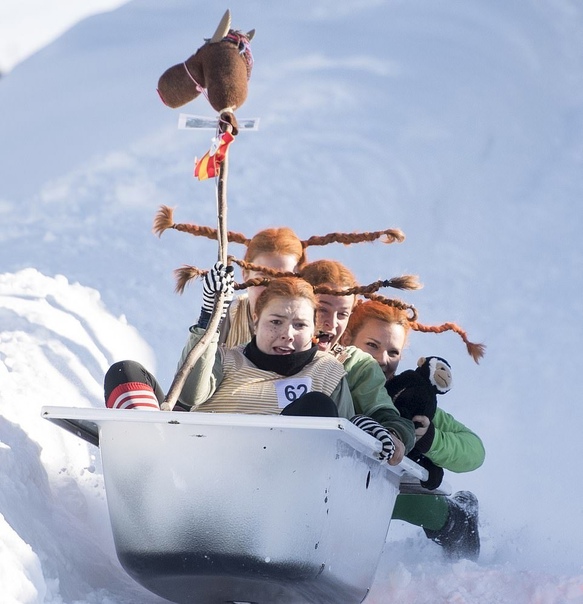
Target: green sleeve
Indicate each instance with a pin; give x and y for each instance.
(207, 373)
(455, 447)
(343, 399)
(366, 381)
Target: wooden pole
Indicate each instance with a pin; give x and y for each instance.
(214, 322)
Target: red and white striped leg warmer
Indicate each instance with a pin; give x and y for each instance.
(133, 395)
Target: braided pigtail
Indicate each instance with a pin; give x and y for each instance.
(269, 272)
(405, 282)
(187, 273)
(394, 303)
(164, 220)
(476, 351)
(184, 275)
(262, 281)
(390, 236)
(408, 282)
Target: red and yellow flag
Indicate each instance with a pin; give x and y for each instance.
(208, 165)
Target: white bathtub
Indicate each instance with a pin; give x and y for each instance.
(219, 508)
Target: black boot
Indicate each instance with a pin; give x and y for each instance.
(459, 536)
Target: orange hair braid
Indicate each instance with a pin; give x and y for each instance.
(476, 351)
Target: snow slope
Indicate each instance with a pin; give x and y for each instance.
(460, 123)
(27, 26)
(56, 340)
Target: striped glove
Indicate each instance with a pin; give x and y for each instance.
(218, 279)
(379, 432)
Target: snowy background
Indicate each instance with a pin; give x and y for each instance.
(460, 123)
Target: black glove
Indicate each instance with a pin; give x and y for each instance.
(218, 279)
(379, 432)
(435, 473)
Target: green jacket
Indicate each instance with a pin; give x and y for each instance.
(455, 447)
(366, 381)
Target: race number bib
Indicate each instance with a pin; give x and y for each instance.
(291, 389)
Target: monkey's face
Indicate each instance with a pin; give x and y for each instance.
(441, 377)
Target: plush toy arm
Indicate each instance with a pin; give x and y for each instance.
(435, 473)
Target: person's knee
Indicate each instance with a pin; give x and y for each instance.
(128, 385)
(312, 404)
(124, 371)
(126, 366)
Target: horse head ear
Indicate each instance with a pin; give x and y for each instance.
(223, 28)
(249, 35)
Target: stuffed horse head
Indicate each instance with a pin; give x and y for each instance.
(222, 66)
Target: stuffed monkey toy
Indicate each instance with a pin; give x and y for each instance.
(414, 392)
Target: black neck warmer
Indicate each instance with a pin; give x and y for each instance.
(284, 364)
